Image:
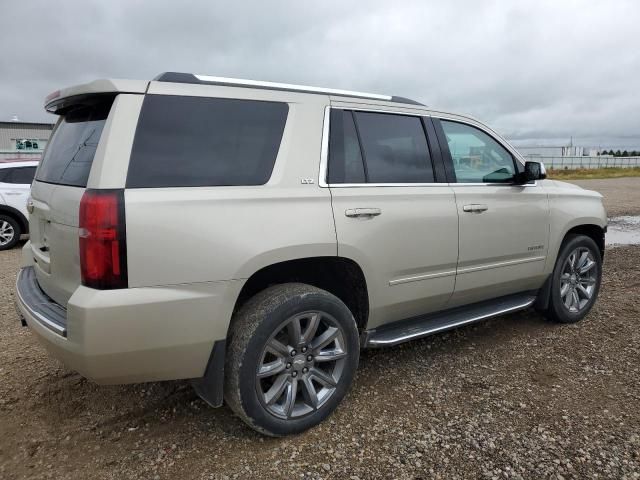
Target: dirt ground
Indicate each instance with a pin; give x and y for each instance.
(621, 195)
(513, 397)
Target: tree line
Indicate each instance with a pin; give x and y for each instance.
(618, 153)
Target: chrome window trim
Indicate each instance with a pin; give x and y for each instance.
(365, 185)
(494, 184)
(391, 111)
(324, 151)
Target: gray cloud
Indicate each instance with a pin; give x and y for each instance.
(531, 69)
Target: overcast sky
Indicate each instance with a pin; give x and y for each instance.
(532, 69)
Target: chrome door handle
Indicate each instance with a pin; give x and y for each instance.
(362, 212)
(475, 207)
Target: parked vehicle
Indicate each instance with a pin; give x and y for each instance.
(253, 237)
(15, 182)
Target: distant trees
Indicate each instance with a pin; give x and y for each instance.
(618, 153)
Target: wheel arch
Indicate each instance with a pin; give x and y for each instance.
(341, 276)
(593, 231)
(17, 215)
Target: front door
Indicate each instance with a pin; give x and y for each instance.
(504, 227)
(392, 217)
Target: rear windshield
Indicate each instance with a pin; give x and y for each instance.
(194, 141)
(69, 154)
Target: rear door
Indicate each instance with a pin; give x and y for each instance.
(393, 215)
(60, 181)
(504, 227)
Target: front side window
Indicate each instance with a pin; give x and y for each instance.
(477, 157)
(197, 141)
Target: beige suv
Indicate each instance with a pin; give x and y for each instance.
(253, 237)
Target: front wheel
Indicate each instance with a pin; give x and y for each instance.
(575, 280)
(293, 352)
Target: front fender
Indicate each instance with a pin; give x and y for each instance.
(571, 207)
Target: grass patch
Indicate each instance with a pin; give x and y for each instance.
(587, 173)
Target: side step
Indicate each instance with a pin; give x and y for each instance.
(418, 327)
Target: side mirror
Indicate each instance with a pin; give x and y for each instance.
(532, 171)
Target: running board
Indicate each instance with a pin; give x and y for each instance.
(418, 327)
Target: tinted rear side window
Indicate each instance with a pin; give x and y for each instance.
(195, 141)
(20, 175)
(345, 158)
(69, 154)
(395, 148)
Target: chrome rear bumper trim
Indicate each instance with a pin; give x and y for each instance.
(38, 305)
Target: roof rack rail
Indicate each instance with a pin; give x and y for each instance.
(176, 77)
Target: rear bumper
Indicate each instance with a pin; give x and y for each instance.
(131, 335)
(39, 306)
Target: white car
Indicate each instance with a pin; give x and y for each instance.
(15, 185)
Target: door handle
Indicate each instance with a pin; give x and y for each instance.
(362, 212)
(475, 208)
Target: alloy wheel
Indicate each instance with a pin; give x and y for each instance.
(6, 232)
(301, 365)
(578, 279)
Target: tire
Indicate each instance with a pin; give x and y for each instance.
(10, 232)
(260, 363)
(583, 278)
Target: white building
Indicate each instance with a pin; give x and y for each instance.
(557, 151)
(23, 140)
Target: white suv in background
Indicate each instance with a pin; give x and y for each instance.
(15, 184)
(253, 237)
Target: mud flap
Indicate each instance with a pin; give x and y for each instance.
(544, 295)
(210, 387)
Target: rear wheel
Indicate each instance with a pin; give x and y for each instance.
(576, 279)
(293, 352)
(10, 232)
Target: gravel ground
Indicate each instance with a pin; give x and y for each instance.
(621, 195)
(514, 397)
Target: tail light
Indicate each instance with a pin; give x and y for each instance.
(103, 252)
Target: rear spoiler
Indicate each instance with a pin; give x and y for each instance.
(56, 101)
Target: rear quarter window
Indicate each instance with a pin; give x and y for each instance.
(198, 141)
